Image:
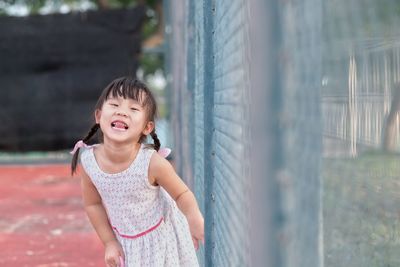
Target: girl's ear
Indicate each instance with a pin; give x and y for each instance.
(97, 115)
(148, 128)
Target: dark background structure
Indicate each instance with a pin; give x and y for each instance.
(53, 67)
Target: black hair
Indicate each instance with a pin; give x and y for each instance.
(130, 88)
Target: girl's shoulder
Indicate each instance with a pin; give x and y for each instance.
(91, 147)
(147, 153)
(163, 152)
(158, 161)
(88, 151)
(87, 159)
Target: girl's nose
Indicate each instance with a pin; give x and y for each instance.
(120, 113)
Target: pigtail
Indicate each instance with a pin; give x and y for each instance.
(157, 143)
(74, 161)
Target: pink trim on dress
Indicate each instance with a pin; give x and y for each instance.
(140, 234)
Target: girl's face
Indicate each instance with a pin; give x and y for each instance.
(123, 120)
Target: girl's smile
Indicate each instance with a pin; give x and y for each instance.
(119, 125)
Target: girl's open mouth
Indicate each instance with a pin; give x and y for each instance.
(119, 125)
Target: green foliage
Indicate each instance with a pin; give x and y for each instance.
(119, 3)
(150, 63)
(149, 27)
(35, 5)
(127, 3)
(361, 203)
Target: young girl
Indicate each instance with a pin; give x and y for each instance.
(131, 194)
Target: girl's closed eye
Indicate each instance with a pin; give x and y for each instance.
(134, 109)
(114, 104)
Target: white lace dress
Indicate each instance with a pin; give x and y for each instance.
(151, 229)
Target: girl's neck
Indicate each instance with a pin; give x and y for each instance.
(120, 153)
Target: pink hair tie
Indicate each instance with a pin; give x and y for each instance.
(78, 144)
(164, 152)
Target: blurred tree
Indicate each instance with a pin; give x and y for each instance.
(389, 130)
(35, 5)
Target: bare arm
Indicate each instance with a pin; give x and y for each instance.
(95, 210)
(188, 205)
(98, 217)
(162, 172)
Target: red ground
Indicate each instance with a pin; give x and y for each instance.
(42, 220)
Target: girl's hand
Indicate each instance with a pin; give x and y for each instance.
(113, 253)
(196, 226)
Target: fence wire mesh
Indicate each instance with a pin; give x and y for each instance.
(287, 123)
